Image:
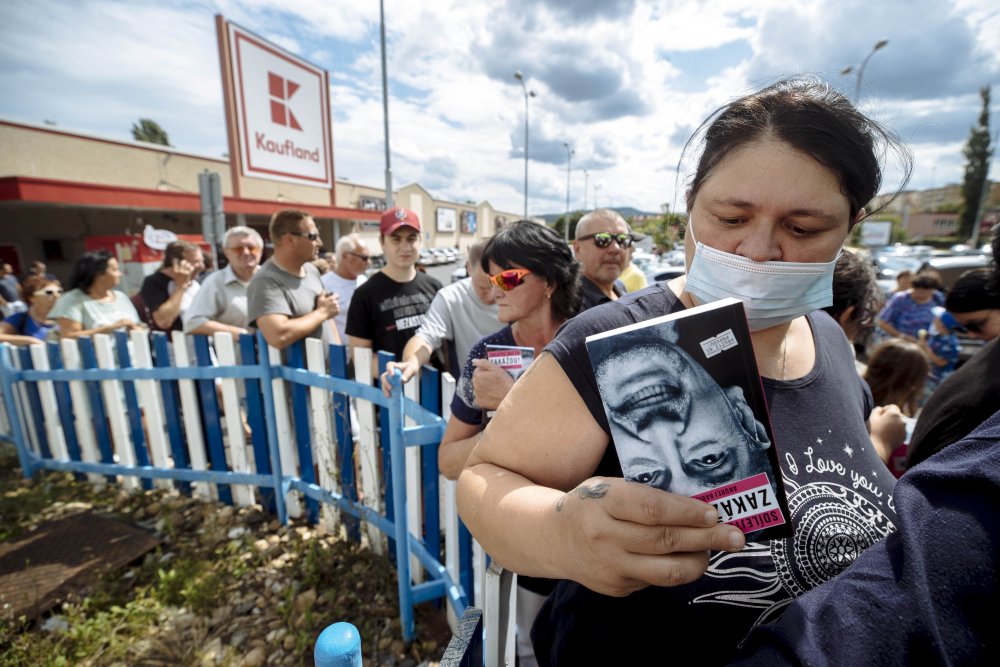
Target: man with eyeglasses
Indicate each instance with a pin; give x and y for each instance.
(601, 246)
(286, 299)
(967, 397)
(348, 274)
(387, 310)
(221, 303)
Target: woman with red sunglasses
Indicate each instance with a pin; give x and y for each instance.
(536, 285)
(784, 175)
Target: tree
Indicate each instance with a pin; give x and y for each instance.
(666, 229)
(560, 224)
(150, 131)
(977, 155)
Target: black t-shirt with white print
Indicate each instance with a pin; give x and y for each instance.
(388, 313)
(838, 494)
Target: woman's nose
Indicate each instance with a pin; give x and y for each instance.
(759, 246)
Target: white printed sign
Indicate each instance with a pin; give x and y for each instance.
(282, 112)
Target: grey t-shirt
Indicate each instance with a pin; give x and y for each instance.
(458, 314)
(273, 291)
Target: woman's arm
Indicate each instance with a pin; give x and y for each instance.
(72, 329)
(8, 334)
(456, 445)
(528, 496)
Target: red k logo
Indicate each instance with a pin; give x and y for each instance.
(281, 90)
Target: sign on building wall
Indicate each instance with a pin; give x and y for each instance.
(282, 112)
(445, 219)
(876, 232)
(468, 222)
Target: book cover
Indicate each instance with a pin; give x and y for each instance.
(512, 358)
(687, 413)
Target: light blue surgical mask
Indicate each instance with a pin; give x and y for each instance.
(772, 292)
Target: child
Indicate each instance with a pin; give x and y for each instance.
(897, 374)
(940, 344)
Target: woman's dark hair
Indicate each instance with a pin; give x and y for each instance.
(855, 284)
(811, 116)
(897, 373)
(925, 281)
(543, 252)
(87, 268)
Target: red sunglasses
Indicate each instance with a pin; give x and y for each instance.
(508, 279)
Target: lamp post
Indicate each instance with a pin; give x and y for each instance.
(527, 94)
(597, 186)
(586, 175)
(569, 162)
(385, 110)
(861, 69)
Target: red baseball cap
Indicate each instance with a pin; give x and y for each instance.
(395, 218)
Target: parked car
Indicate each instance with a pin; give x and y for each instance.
(952, 267)
(459, 274)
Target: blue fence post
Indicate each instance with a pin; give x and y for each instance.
(345, 440)
(8, 376)
(210, 417)
(255, 419)
(303, 430)
(65, 404)
(398, 466)
(35, 404)
(132, 408)
(88, 360)
(339, 645)
(267, 391)
(387, 472)
(171, 409)
(430, 398)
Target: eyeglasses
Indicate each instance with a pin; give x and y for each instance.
(312, 236)
(363, 258)
(244, 248)
(49, 291)
(604, 239)
(509, 279)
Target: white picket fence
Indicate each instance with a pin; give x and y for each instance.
(248, 427)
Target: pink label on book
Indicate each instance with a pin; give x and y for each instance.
(748, 504)
(505, 359)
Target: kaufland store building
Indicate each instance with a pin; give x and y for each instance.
(58, 187)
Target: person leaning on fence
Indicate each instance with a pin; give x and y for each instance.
(351, 261)
(535, 284)
(967, 396)
(93, 305)
(388, 309)
(32, 326)
(168, 292)
(286, 299)
(784, 176)
(10, 291)
(221, 302)
(460, 314)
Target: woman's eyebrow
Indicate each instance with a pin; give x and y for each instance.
(801, 212)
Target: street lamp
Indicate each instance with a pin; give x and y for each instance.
(586, 175)
(527, 94)
(861, 69)
(385, 109)
(569, 162)
(597, 186)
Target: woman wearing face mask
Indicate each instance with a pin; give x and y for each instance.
(784, 175)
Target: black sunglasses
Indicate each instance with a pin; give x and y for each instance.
(604, 239)
(312, 236)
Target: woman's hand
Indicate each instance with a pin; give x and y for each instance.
(626, 536)
(490, 384)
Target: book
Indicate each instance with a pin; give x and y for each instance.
(687, 413)
(512, 358)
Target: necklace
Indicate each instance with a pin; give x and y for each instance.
(784, 354)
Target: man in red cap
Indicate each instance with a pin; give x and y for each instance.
(387, 310)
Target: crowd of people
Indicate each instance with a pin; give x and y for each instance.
(618, 572)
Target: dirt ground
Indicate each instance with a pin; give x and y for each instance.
(226, 586)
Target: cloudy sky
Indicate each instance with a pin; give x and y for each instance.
(624, 82)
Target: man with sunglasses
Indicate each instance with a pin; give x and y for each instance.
(601, 246)
(388, 309)
(352, 260)
(286, 299)
(967, 397)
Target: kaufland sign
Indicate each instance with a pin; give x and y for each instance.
(282, 112)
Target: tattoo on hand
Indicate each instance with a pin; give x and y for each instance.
(584, 492)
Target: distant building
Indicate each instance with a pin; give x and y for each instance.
(933, 212)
